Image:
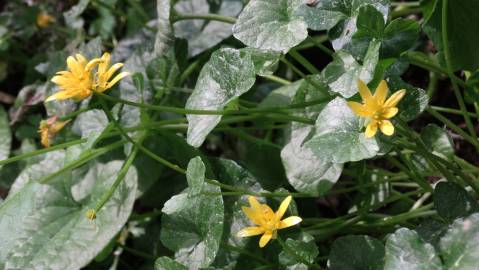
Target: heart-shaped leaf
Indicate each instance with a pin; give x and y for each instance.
(229, 74)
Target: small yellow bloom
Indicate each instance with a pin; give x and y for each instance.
(268, 221)
(105, 72)
(44, 19)
(49, 128)
(376, 108)
(79, 83)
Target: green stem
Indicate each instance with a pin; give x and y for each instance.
(451, 111)
(318, 43)
(247, 253)
(121, 175)
(209, 17)
(41, 151)
(454, 127)
(405, 12)
(277, 79)
(447, 56)
(137, 252)
(304, 62)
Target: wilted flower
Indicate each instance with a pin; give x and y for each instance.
(268, 221)
(376, 108)
(44, 19)
(49, 128)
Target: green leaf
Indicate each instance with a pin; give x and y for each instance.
(319, 17)
(462, 37)
(460, 245)
(72, 16)
(452, 201)
(438, 139)
(230, 173)
(339, 135)
(399, 36)
(302, 251)
(165, 263)
(370, 22)
(307, 172)
(51, 230)
(195, 175)
(356, 252)
(201, 34)
(229, 74)
(342, 33)
(5, 135)
(406, 250)
(192, 226)
(265, 62)
(414, 102)
(271, 25)
(343, 73)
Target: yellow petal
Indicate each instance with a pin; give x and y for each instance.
(359, 109)
(381, 92)
(371, 129)
(81, 60)
(255, 205)
(394, 99)
(252, 215)
(112, 70)
(364, 91)
(265, 238)
(116, 79)
(102, 68)
(283, 207)
(74, 66)
(58, 126)
(386, 127)
(91, 65)
(288, 222)
(250, 231)
(390, 112)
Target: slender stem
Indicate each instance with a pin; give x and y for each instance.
(121, 175)
(318, 43)
(277, 79)
(447, 56)
(82, 160)
(245, 252)
(209, 17)
(41, 151)
(304, 62)
(137, 252)
(451, 111)
(453, 126)
(405, 12)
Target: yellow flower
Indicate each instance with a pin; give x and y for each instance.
(76, 83)
(105, 72)
(49, 128)
(268, 221)
(79, 83)
(376, 108)
(44, 19)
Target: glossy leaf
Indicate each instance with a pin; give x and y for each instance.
(165, 263)
(406, 250)
(271, 25)
(356, 252)
(229, 74)
(460, 245)
(50, 217)
(302, 251)
(192, 226)
(339, 135)
(452, 201)
(195, 175)
(343, 73)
